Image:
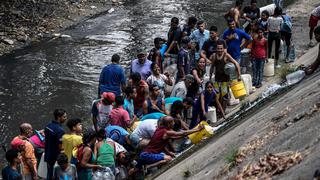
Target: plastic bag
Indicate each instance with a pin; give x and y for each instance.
(103, 173)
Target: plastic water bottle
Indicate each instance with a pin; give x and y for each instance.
(295, 77)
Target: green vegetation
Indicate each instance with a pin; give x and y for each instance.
(231, 157)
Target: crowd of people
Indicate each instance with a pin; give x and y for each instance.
(137, 123)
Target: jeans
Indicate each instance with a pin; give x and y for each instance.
(50, 167)
(274, 36)
(257, 71)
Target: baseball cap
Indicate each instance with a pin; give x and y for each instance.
(109, 96)
(134, 139)
(17, 143)
(141, 51)
(189, 77)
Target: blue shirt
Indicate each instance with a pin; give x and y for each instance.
(200, 37)
(53, 133)
(143, 69)
(234, 45)
(128, 106)
(10, 174)
(117, 134)
(111, 79)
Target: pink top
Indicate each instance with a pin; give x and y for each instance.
(119, 117)
(36, 140)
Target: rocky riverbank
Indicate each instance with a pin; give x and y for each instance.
(24, 22)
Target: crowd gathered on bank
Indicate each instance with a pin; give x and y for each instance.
(142, 121)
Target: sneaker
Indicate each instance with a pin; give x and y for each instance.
(278, 66)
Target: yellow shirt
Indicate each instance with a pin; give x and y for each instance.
(70, 141)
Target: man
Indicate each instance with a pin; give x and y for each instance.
(144, 132)
(189, 27)
(210, 46)
(219, 60)
(183, 63)
(234, 13)
(155, 54)
(100, 110)
(73, 138)
(174, 37)
(112, 78)
(201, 34)
(251, 14)
(316, 63)
(313, 22)
(141, 65)
(142, 92)
(53, 133)
(29, 159)
(11, 172)
(234, 36)
(119, 116)
(180, 90)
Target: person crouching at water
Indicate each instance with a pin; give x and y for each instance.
(105, 151)
(156, 152)
(207, 98)
(316, 63)
(154, 103)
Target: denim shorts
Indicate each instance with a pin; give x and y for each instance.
(150, 158)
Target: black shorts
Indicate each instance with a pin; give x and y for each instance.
(286, 37)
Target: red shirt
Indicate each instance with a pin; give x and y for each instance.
(139, 100)
(119, 117)
(157, 143)
(259, 48)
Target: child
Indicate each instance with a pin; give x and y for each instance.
(263, 22)
(10, 172)
(65, 170)
(207, 98)
(259, 54)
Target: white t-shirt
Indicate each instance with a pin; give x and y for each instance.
(316, 12)
(274, 23)
(146, 128)
(179, 90)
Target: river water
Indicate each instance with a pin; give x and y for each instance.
(64, 72)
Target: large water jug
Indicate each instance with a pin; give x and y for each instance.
(268, 70)
(230, 70)
(247, 80)
(211, 115)
(295, 77)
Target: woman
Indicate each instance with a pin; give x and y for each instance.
(161, 80)
(105, 152)
(154, 103)
(207, 98)
(86, 156)
(198, 73)
(274, 26)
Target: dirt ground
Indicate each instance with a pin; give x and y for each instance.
(22, 30)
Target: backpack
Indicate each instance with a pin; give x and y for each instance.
(287, 24)
(77, 154)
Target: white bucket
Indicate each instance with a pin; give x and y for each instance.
(42, 169)
(268, 70)
(211, 114)
(247, 80)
